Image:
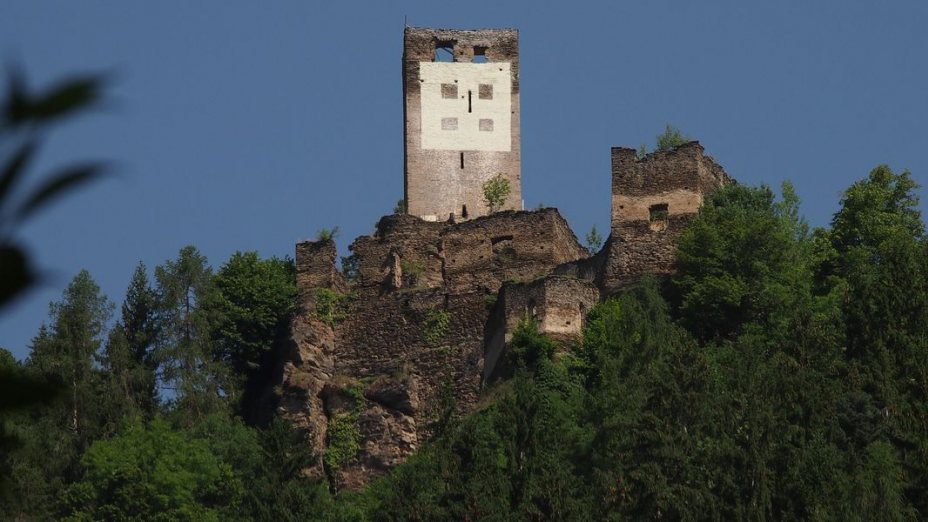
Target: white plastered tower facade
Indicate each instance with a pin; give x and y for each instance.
(461, 112)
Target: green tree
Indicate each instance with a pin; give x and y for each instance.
(154, 472)
(744, 260)
(22, 485)
(279, 489)
(594, 241)
(53, 436)
(495, 192)
(528, 346)
(186, 354)
(670, 139)
(128, 357)
(252, 304)
(877, 261)
(69, 349)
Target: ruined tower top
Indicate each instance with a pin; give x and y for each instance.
(461, 110)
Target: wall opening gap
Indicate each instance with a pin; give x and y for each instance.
(658, 212)
(470, 95)
(444, 51)
(462, 160)
(464, 211)
(480, 54)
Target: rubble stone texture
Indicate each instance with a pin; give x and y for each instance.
(412, 324)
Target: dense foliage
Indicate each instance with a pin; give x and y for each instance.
(151, 424)
(782, 373)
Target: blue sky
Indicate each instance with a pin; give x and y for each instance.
(249, 126)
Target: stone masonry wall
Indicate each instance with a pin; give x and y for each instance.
(315, 268)
(558, 304)
(483, 253)
(400, 340)
(653, 199)
(431, 307)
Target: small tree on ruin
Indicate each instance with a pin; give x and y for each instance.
(495, 192)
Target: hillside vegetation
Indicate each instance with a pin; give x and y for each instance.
(782, 373)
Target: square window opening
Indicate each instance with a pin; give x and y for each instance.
(480, 54)
(485, 91)
(486, 124)
(658, 212)
(444, 51)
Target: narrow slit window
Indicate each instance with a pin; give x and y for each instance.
(464, 211)
(470, 95)
(462, 160)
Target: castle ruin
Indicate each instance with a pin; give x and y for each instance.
(430, 303)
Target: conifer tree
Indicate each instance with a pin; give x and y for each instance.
(69, 347)
(185, 354)
(128, 358)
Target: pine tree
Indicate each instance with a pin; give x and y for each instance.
(128, 359)
(68, 349)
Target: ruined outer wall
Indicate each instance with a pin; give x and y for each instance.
(403, 252)
(382, 351)
(315, 268)
(458, 132)
(653, 199)
(520, 246)
(558, 304)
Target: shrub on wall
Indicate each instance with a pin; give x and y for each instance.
(495, 192)
(436, 326)
(330, 306)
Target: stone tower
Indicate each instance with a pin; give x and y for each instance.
(653, 199)
(461, 111)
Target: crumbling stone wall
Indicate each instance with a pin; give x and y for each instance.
(402, 253)
(315, 268)
(451, 146)
(507, 246)
(430, 306)
(309, 354)
(398, 342)
(557, 303)
(653, 199)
